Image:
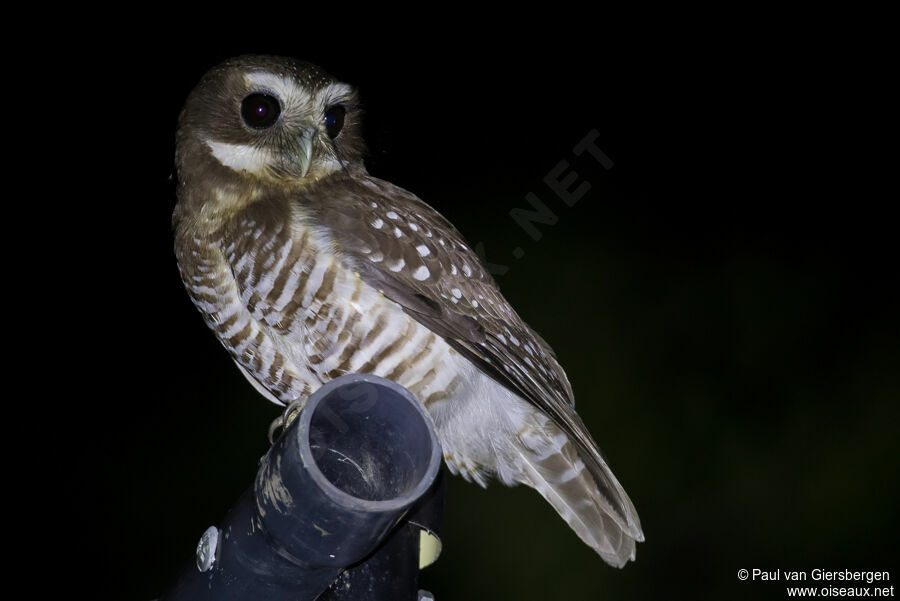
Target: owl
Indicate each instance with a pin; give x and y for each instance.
(307, 268)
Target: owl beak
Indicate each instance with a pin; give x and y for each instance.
(305, 150)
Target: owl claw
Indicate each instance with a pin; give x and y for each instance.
(274, 427)
(284, 420)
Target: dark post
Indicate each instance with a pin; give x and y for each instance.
(337, 482)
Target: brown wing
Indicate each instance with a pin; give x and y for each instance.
(416, 257)
(405, 248)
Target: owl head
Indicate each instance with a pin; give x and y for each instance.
(269, 119)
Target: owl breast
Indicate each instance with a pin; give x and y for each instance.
(293, 314)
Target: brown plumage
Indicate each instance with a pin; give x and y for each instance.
(306, 267)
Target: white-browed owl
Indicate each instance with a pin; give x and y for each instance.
(306, 268)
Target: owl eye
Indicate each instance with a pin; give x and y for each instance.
(334, 120)
(260, 111)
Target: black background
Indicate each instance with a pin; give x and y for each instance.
(723, 298)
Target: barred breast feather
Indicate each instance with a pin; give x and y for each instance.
(293, 316)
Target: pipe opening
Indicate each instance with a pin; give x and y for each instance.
(370, 442)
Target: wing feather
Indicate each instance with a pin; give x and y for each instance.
(415, 257)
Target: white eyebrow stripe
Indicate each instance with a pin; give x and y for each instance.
(240, 157)
(286, 89)
(336, 91)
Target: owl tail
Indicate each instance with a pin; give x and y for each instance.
(602, 516)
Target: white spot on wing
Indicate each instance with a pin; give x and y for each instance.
(423, 250)
(392, 215)
(377, 223)
(421, 273)
(398, 265)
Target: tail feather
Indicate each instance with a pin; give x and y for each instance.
(550, 463)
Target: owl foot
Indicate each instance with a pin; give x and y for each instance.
(284, 420)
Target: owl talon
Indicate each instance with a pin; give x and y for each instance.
(284, 420)
(274, 427)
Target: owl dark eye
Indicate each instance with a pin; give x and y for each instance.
(260, 111)
(334, 120)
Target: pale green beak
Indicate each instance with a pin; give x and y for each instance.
(304, 150)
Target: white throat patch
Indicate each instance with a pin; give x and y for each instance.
(240, 157)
